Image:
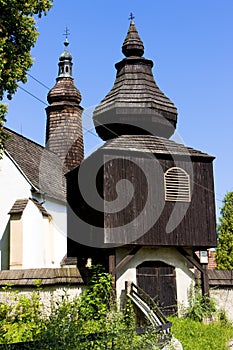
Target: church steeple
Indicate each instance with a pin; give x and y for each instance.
(135, 105)
(65, 62)
(64, 115)
(133, 45)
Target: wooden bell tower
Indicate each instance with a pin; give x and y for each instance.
(149, 193)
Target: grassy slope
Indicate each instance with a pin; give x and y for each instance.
(195, 335)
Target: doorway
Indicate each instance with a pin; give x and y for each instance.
(158, 279)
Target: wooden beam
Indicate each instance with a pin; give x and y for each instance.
(205, 282)
(112, 266)
(125, 260)
(201, 267)
(111, 261)
(191, 259)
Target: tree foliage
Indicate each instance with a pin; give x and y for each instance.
(224, 253)
(18, 35)
(3, 135)
(95, 301)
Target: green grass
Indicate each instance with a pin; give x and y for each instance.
(195, 335)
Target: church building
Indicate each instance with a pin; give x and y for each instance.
(142, 204)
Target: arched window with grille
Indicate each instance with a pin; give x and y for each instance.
(177, 185)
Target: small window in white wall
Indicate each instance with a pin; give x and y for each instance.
(177, 185)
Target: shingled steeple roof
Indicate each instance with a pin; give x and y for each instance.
(135, 104)
(133, 45)
(64, 134)
(64, 89)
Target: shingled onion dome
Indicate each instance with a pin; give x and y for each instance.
(135, 105)
(64, 88)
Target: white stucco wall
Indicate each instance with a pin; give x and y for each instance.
(223, 297)
(44, 243)
(170, 256)
(44, 238)
(59, 223)
(34, 249)
(13, 185)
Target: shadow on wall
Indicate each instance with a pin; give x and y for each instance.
(5, 248)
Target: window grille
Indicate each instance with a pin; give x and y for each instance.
(177, 185)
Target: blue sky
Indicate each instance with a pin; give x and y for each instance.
(190, 43)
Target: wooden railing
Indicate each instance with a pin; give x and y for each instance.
(148, 308)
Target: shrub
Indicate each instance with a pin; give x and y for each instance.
(200, 306)
(86, 322)
(21, 318)
(95, 301)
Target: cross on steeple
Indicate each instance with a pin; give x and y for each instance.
(131, 17)
(67, 33)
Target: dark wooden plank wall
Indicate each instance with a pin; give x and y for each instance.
(196, 229)
(82, 218)
(143, 219)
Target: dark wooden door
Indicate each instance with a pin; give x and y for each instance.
(159, 281)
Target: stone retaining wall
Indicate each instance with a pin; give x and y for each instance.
(47, 294)
(223, 297)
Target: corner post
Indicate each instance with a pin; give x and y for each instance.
(205, 281)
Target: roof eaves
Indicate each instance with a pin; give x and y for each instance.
(21, 171)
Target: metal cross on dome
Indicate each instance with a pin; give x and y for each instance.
(131, 16)
(67, 33)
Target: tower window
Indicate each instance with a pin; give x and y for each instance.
(177, 185)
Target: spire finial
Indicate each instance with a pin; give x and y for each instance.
(133, 45)
(65, 64)
(67, 33)
(131, 17)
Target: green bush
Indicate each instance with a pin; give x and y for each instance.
(88, 322)
(95, 301)
(200, 306)
(92, 322)
(81, 324)
(21, 318)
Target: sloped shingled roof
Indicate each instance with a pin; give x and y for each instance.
(217, 278)
(136, 88)
(47, 276)
(42, 168)
(151, 144)
(135, 99)
(20, 204)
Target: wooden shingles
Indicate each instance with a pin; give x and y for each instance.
(151, 144)
(220, 278)
(47, 276)
(135, 99)
(20, 204)
(136, 87)
(41, 167)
